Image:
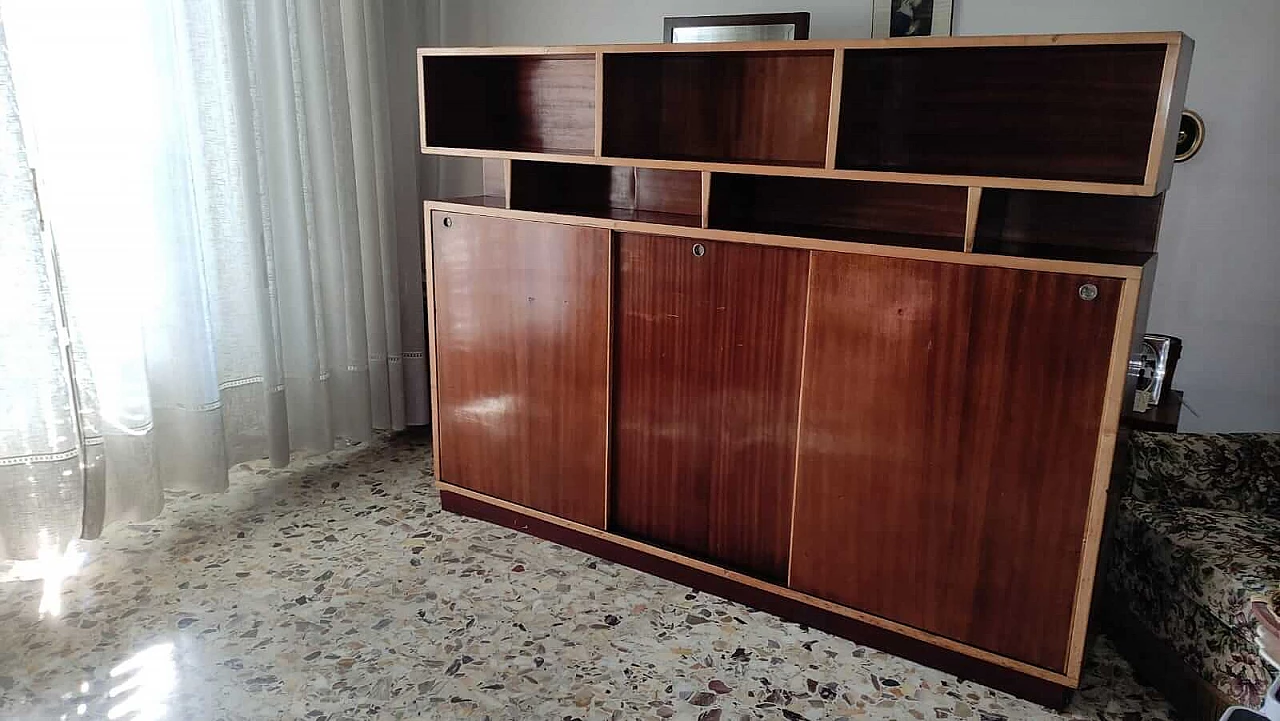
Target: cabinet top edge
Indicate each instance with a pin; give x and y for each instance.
(476, 206)
(1172, 38)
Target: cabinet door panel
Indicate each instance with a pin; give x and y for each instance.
(1039, 357)
(521, 323)
(707, 379)
(947, 439)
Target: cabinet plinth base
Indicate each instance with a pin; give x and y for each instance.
(1041, 691)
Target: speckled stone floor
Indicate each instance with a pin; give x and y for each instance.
(338, 589)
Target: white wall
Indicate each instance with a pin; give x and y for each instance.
(1218, 282)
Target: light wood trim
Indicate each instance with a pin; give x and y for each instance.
(599, 141)
(879, 176)
(1111, 412)
(706, 199)
(704, 567)
(429, 258)
(795, 468)
(1064, 40)
(1173, 96)
(608, 365)
(783, 241)
(833, 114)
(506, 186)
(422, 104)
(971, 218)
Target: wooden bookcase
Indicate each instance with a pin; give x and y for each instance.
(838, 329)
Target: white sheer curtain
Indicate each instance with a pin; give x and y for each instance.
(230, 261)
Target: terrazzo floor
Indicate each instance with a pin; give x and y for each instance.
(338, 589)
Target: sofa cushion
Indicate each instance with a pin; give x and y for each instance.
(1225, 657)
(1189, 573)
(1225, 471)
(1218, 559)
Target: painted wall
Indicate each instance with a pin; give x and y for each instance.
(1218, 284)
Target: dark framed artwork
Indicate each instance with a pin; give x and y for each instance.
(910, 18)
(736, 28)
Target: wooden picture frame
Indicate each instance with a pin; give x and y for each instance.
(755, 27)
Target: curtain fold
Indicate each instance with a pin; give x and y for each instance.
(230, 266)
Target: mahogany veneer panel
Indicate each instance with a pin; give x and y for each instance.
(929, 216)
(950, 421)
(520, 103)
(521, 340)
(749, 107)
(1104, 222)
(706, 382)
(608, 191)
(1082, 113)
(1036, 387)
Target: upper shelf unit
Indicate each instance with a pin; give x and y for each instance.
(1077, 113)
(534, 104)
(1086, 113)
(761, 107)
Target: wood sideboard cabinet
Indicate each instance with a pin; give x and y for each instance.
(837, 329)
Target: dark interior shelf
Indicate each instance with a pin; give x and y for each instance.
(670, 197)
(1067, 226)
(529, 103)
(763, 107)
(1079, 113)
(921, 216)
(1076, 253)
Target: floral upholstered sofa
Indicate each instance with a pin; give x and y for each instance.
(1196, 539)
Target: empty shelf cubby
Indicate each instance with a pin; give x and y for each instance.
(529, 103)
(758, 107)
(1078, 113)
(671, 197)
(922, 216)
(1067, 226)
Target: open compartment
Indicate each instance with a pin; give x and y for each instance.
(1067, 226)
(763, 107)
(922, 216)
(1076, 113)
(472, 181)
(530, 103)
(672, 197)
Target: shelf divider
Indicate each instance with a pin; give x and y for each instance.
(599, 141)
(833, 117)
(706, 198)
(971, 218)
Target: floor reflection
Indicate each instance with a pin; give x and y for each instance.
(52, 568)
(145, 683)
(140, 688)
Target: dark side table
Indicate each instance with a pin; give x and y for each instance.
(1163, 418)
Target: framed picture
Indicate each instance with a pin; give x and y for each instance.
(736, 28)
(910, 18)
